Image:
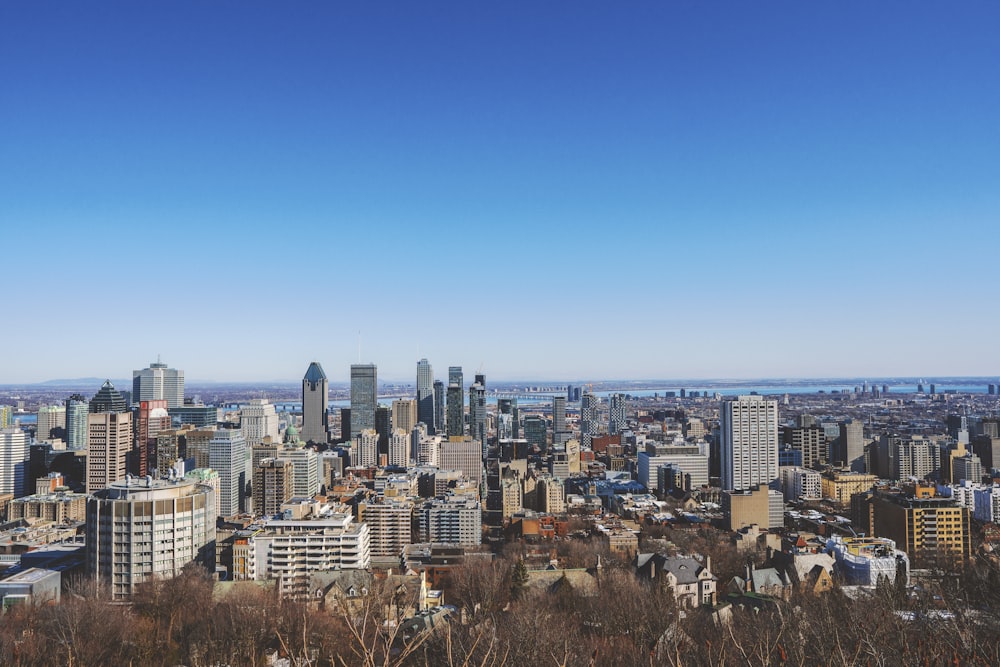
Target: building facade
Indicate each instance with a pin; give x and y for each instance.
(315, 405)
(748, 429)
(158, 382)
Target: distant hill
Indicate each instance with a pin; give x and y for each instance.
(81, 382)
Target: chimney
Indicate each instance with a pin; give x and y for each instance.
(708, 563)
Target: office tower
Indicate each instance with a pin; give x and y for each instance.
(51, 424)
(158, 383)
(558, 414)
(272, 486)
(305, 470)
(199, 446)
(150, 419)
(748, 429)
(77, 410)
(616, 422)
(588, 417)
(145, 529)
(315, 405)
(404, 415)
(477, 414)
(569, 393)
(109, 440)
(439, 422)
(463, 454)
(14, 455)
(455, 377)
(345, 425)
(198, 415)
(107, 399)
(258, 420)
(534, 431)
(227, 455)
(5, 417)
(456, 411)
(425, 395)
(399, 448)
(850, 447)
(364, 386)
(811, 441)
(509, 428)
(383, 426)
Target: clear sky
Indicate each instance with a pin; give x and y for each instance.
(562, 190)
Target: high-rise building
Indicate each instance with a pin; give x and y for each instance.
(455, 377)
(305, 470)
(534, 431)
(452, 520)
(588, 418)
(109, 441)
(748, 429)
(383, 426)
(51, 423)
(404, 415)
(272, 486)
(849, 450)
(399, 448)
(508, 419)
(617, 419)
(477, 414)
(462, 454)
(811, 441)
(108, 399)
(138, 530)
(158, 383)
(227, 455)
(364, 388)
(365, 449)
(315, 405)
(150, 419)
(259, 420)
(14, 455)
(77, 410)
(439, 422)
(456, 411)
(425, 395)
(390, 524)
(558, 414)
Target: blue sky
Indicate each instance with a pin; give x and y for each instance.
(564, 190)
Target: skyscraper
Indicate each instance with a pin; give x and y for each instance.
(616, 420)
(748, 428)
(477, 413)
(258, 420)
(850, 446)
(227, 455)
(77, 410)
(404, 414)
(425, 395)
(51, 423)
(107, 399)
(364, 386)
(109, 441)
(315, 405)
(456, 407)
(455, 377)
(588, 417)
(109, 438)
(439, 423)
(158, 383)
(14, 451)
(151, 419)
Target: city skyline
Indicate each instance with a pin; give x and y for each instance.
(807, 182)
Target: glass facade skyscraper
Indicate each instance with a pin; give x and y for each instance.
(364, 388)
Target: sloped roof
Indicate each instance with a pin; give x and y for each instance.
(315, 373)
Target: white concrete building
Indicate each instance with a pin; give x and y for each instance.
(452, 520)
(14, 454)
(259, 420)
(801, 483)
(748, 427)
(140, 529)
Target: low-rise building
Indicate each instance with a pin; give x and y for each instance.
(691, 581)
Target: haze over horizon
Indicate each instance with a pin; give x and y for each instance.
(561, 191)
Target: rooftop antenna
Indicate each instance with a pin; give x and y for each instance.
(359, 346)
